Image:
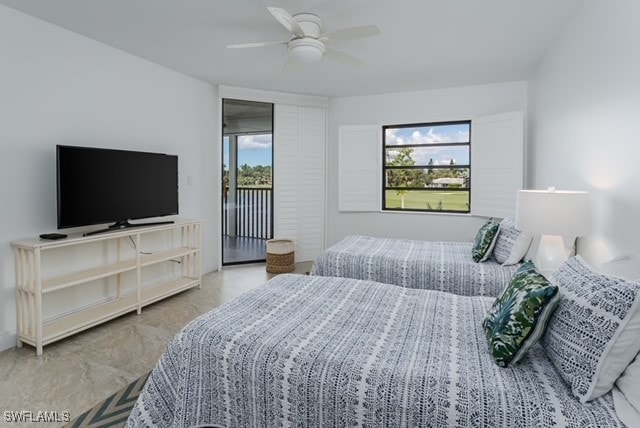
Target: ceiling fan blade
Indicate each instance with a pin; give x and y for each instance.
(351, 33)
(288, 21)
(254, 45)
(290, 65)
(342, 57)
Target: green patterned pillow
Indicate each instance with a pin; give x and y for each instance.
(519, 316)
(485, 240)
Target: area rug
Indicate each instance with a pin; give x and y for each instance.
(114, 411)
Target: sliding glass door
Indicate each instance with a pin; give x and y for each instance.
(247, 180)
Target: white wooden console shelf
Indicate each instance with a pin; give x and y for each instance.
(126, 269)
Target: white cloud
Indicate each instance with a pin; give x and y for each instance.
(254, 142)
(462, 136)
(430, 137)
(423, 154)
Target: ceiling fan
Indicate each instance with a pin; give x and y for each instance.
(307, 43)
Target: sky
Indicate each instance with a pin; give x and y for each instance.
(252, 150)
(432, 135)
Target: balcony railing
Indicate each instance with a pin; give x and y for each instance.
(252, 213)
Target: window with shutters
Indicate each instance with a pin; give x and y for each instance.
(426, 167)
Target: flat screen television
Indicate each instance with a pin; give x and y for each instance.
(98, 186)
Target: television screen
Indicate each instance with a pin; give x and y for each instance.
(97, 185)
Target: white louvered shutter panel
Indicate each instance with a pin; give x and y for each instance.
(312, 183)
(285, 172)
(497, 146)
(299, 178)
(359, 168)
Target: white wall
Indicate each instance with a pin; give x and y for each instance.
(57, 87)
(585, 121)
(411, 107)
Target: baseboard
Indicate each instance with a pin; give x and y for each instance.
(209, 267)
(7, 340)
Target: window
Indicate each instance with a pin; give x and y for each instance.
(426, 167)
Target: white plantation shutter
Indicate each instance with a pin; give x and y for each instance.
(359, 168)
(497, 146)
(312, 183)
(285, 172)
(299, 178)
(497, 173)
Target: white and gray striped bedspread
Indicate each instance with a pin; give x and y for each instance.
(429, 265)
(333, 352)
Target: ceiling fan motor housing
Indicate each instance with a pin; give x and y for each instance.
(309, 48)
(310, 24)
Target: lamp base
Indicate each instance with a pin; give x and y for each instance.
(551, 254)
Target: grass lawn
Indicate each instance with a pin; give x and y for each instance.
(419, 200)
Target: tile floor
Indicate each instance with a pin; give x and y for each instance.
(78, 372)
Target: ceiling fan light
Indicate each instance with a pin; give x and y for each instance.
(306, 54)
(306, 50)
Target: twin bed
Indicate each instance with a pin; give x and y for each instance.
(325, 350)
(317, 351)
(444, 266)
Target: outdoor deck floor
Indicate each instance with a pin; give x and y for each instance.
(240, 249)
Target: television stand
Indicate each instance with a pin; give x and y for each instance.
(125, 225)
(113, 277)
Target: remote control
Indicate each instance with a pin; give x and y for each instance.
(53, 236)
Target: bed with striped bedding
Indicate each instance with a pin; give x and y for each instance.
(430, 265)
(315, 351)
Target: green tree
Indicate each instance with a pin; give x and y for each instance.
(225, 177)
(404, 177)
(258, 175)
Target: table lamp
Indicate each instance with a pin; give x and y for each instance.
(552, 214)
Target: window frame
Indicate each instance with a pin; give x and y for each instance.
(385, 167)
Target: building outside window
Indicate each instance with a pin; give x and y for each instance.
(426, 167)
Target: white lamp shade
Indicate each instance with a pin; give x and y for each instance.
(551, 212)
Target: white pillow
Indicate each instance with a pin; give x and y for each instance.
(626, 395)
(621, 352)
(625, 266)
(627, 414)
(511, 244)
(595, 332)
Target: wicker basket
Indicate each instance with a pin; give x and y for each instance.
(280, 256)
